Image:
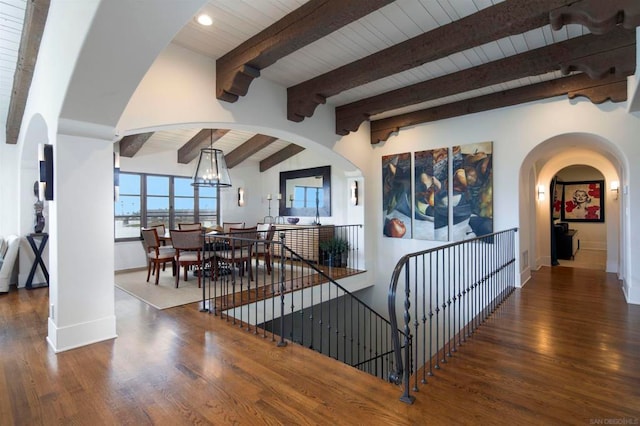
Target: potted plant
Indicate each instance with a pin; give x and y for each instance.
(335, 251)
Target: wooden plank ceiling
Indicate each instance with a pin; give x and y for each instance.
(404, 62)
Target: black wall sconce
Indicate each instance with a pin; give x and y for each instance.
(45, 165)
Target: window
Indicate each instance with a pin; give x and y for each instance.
(147, 200)
(157, 197)
(305, 196)
(184, 201)
(127, 208)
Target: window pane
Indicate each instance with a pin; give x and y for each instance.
(182, 187)
(207, 206)
(158, 185)
(207, 191)
(127, 205)
(127, 209)
(184, 211)
(127, 227)
(208, 221)
(129, 184)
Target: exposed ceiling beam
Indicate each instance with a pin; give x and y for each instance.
(315, 19)
(247, 149)
(597, 15)
(130, 145)
(285, 153)
(611, 88)
(492, 23)
(34, 21)
(203, 139)
(594, 55)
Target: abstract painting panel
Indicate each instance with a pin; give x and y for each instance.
(396, 195)
(431, 206)
(472, 198)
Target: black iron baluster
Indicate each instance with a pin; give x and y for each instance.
(424, 316)
(282, 291)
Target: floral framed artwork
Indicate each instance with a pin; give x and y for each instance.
(583, 201)
(558, 191)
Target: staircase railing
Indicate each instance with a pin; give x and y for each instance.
(448, 292)
(300, 301)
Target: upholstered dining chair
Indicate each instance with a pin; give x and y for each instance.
(162, 233)
(156, 254)
(188, 246)
(239, 250)
(189, 226)
(226, 226)
(264, 245)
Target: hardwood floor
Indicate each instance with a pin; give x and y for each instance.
(586, 258)
(565, 349)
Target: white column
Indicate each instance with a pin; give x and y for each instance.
(81, 245)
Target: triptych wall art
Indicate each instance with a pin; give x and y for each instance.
(446, 196)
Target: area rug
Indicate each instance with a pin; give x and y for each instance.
(165, 294)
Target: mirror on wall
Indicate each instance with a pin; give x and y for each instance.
(306, 192)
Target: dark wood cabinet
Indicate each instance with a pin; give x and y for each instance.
(567, 244)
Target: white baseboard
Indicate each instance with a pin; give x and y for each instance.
(70, 337)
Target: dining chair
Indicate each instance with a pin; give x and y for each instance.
(156, 254)
(188, 246)
(226, 226)
(162, 233)
(264, 245)
(190, 226)
(239, 250)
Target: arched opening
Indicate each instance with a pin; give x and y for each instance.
(578, 214)
(574, 153)
(37, 132)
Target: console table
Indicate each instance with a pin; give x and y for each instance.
(304, 239)
(38, 249)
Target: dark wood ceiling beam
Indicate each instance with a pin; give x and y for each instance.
(590, 53)
(598, 16)
(280, 156)
(247, 149)
(492, 23)
(611, 88)
(130, 145)
(315, 19)
(35, 18)
(204, 138)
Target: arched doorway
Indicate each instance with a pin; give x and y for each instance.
(580, 243)
(539, 169)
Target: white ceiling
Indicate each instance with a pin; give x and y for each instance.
(237, 20)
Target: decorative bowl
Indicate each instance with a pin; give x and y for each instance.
(293, 220)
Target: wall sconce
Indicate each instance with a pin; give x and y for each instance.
(540, 192)
(354, 193)
(240, 197)
(45, 165)
(116, 176)
(615, 187)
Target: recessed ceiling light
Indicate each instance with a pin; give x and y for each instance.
(204, 19)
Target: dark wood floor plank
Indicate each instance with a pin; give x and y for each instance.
(565, 349)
